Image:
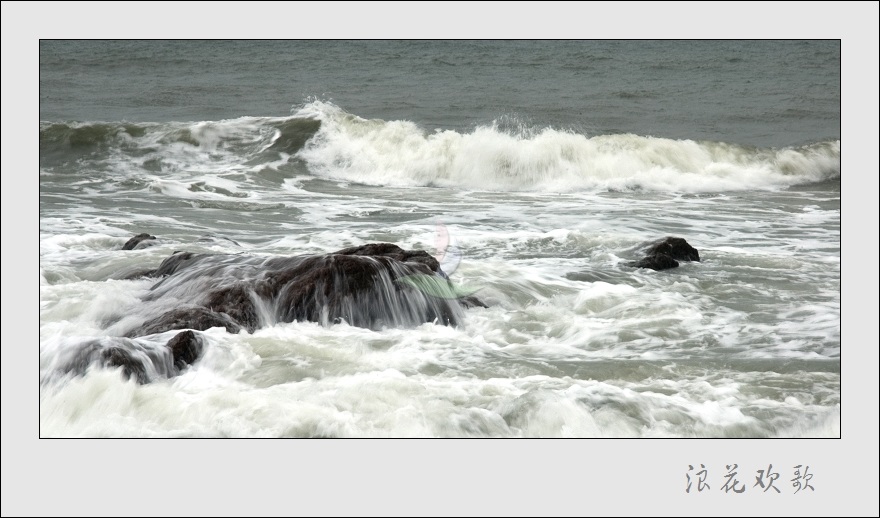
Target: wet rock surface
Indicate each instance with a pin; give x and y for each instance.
(195, 292)
(666, 253)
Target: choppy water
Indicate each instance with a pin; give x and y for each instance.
(547, 164)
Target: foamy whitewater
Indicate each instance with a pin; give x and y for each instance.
(539, 215)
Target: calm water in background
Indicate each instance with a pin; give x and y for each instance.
(760, 93)
(548, 163)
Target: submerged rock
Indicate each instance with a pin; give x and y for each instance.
(122, 357)
(665, 254)
(138, 361)
(139, 241)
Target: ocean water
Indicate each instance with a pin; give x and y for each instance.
(533, 170)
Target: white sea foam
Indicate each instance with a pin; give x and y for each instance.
(364, 399)
(575, 343)
(545, 220)
(399, 153)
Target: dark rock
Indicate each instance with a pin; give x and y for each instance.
(359, 285)
(368, 286)
(142, 362)
(192, 317)
(214, 238)
(131, 366)
(471, 301)
(237, 303)
(137, 361)
(675, 248)
(186, 348)
(354, 287)
(656, 262)
(177, 261)
(132, 274)
(394, 252)
(139, 241)
(665, 254)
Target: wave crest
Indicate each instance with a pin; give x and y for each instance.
(399, 153)
(504, 156)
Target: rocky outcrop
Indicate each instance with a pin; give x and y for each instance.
(364, 286)
(359, 285)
